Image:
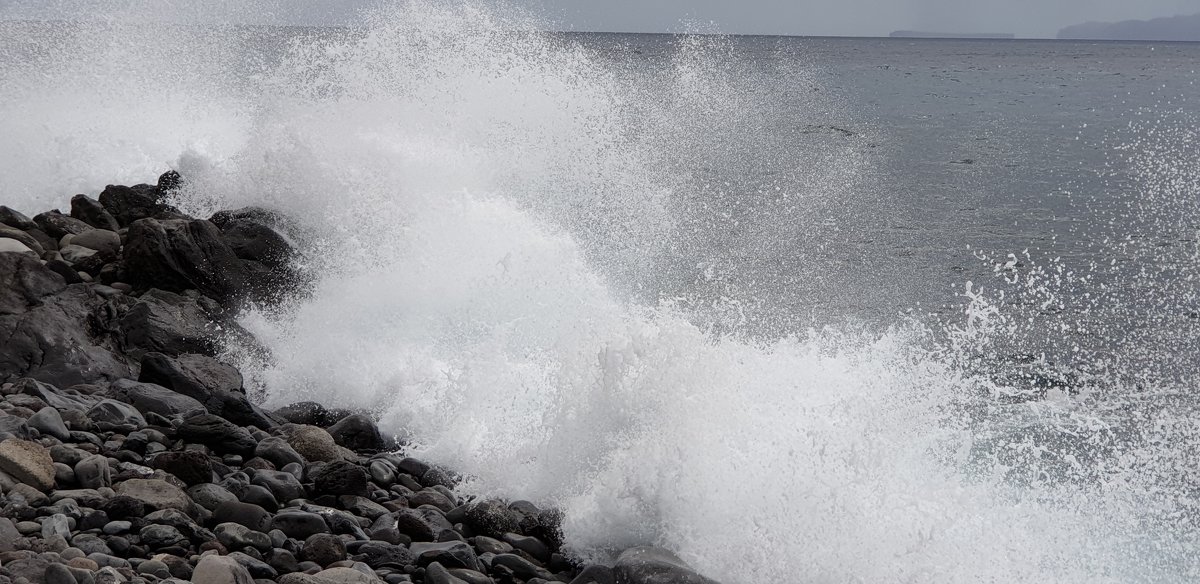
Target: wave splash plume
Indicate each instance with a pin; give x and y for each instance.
(489, 212)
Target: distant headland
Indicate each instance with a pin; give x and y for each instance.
(1175, 28)
(917, 34)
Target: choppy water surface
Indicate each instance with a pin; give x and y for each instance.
(802, 310)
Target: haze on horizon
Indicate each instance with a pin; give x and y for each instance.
(1025, 18)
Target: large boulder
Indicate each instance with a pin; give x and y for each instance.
(57, 225)
(24, 282)
(652, 565)
(180, 255)
(218, 434)
(128, 204)
(357, 432)
(311, 442)
(339, 478)
(153, 398)
(15, 219)
(156, 494)
(28, 462)
(53, 333)
(169, 323)
(90, 211)
(216, 385)
(252, 239)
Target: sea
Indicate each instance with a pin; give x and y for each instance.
(810, 310)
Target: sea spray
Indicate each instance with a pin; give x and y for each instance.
(492, 216)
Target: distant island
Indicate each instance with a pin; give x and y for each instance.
(1175, 28)
(917, 34)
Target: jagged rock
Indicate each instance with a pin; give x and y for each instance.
(253, 240)
(28, 462)
(40, 317)
(153, 398)
(217, 433)
(170, 323)
(62, 400)
(57, 225)
(180, 255)
(216, 385)
(24, 282)
(652, 565)
(90, 211)
(189, 466)
(128, 204)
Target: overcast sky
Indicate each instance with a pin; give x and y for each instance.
(1026, 18)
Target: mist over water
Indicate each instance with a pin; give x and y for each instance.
(533, 262)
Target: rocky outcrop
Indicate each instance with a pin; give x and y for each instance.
(129, 452)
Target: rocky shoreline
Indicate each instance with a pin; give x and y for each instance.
(129, 452)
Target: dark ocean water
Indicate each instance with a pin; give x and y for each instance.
(800, 309)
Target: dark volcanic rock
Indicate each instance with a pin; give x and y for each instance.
(357, 432)
(245, 514)
(325, 549)
(165, 322)
(299, 524)
(217, 433)
(451, 554)
(34, 342)
(307, 414)
(16, 219)
(217, 386)
(421, 524)
(24, 282)
(128, 204)
(153, 398)
(90, 211)
(339, 478)
(189, 466)
(116, 414)
(493, 518)
(651, 565)
(57, 225)
(253, 240)
(180, 255)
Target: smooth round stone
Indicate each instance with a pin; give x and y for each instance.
(29, 527)
(117, 527)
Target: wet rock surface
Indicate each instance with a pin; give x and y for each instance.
(131, 453)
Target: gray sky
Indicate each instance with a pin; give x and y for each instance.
(1025, 18)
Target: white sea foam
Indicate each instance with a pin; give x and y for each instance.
(477, 202)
